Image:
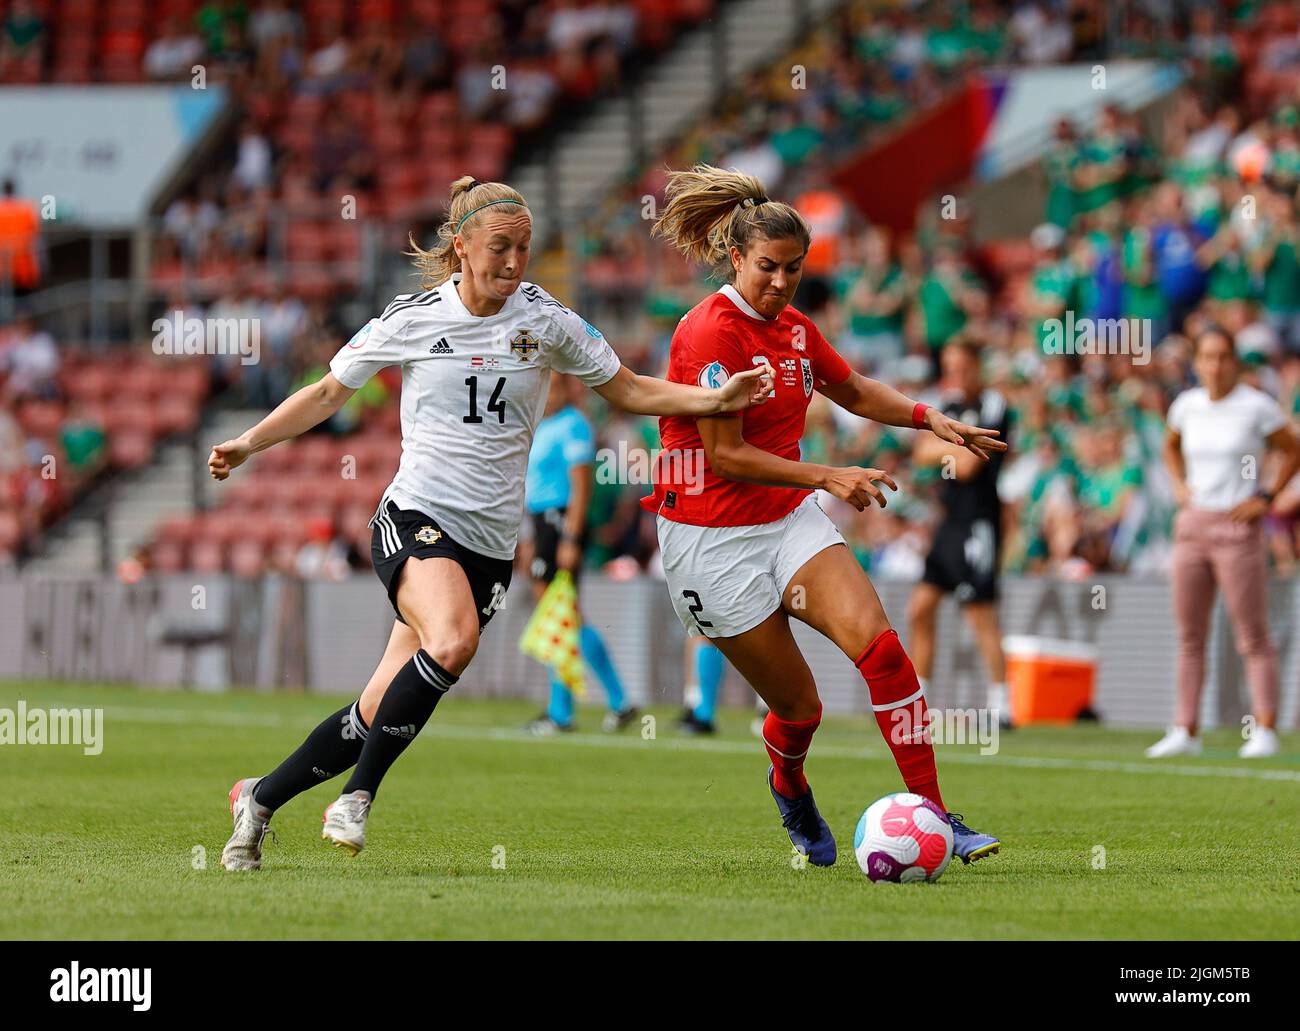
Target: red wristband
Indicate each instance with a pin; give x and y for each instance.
(918, 415)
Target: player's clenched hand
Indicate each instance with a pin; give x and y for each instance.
(976, 439)
(750, 387)
(855, 486)
(225, 457)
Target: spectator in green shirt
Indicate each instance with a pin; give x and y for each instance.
(947, 297)
(873, 292)
(1223, 256)
(1103, 163)
(1052, 282)
(1060, 159)
(23, 34)
(1142, 296)
(1275, 259)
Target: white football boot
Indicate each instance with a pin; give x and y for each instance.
(244, 849)
(345, 822)
(1260, 745)
(1175, 742)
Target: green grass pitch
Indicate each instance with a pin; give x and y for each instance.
(624, 837)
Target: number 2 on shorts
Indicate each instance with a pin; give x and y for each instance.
(696, 607)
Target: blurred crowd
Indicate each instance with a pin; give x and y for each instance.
(1175, 222)
(41, 467)
(378, 113)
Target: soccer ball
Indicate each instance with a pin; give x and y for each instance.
(903, 837)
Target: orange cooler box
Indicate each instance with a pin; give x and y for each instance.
(1048, 680)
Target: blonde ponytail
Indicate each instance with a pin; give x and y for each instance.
(709, 210)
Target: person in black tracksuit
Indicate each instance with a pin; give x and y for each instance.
(967, 548)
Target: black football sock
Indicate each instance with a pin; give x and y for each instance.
(330, 749)
(405, 709)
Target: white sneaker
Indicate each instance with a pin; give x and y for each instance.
(345, 822)
(1261, 744)
(1175, 742)
(244, 849)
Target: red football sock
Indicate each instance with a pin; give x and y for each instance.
(787, 744)
(893, 685)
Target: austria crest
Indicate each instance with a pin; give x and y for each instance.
(524, 345)
(806, 365)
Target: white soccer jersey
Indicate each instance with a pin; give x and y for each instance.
(473, 390)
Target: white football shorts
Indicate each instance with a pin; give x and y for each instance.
(725, 580)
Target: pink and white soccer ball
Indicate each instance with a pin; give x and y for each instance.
(903, 837)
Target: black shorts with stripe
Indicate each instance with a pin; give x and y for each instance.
(401, 533)
(964, 559)
(548, 530)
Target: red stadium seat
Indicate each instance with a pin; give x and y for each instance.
(41, 418)
(370, 11)
(190, 380)
(315, 455)
(271, 461)
(180, 529)
(306, 242)
(176, 414)
(246, 495)
(136, 382)
(11, 530)
(345, 241)
(96, 412)
(376, 455)
(130, 449)
(167, 556)
(358, 106)
(440, 106)
(247, 557)
(489, 139)
(83, 383)
(354, 519)
(391, 141)
(207, 556)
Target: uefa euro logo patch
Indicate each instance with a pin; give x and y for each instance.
(713, 375)
(524, 345)
(428, 535)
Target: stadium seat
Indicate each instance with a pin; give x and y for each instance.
(130, 449)
(40, 418)
(11, 530)
(167, 556)
(207, 556)
(247, 557)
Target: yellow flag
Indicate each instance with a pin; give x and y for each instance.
(552, 634)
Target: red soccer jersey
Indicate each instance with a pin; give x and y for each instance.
(720, 336)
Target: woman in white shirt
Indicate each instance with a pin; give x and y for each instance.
(1218, 433)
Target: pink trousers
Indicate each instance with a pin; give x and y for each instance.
(1210, 551)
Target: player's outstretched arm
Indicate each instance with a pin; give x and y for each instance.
(646, 395)
(295, 415)
(734, 458)
(882, 403)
